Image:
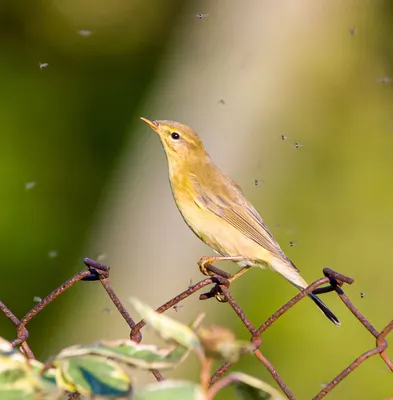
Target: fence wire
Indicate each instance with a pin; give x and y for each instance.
(99, 272)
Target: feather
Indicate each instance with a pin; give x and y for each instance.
(239, 213)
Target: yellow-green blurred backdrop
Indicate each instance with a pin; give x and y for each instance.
(82, 176)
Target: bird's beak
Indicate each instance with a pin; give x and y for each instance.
(153, 124)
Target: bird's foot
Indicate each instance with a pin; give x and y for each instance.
(204, 266)
(207, 268)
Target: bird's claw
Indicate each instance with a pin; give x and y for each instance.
(220, 297)
(204, 264)
(207, 268)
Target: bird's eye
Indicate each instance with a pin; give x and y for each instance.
(175, 136)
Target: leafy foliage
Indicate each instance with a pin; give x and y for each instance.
(98, 369)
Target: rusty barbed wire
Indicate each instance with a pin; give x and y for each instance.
(99, 272)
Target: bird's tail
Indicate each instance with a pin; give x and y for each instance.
(324, 309)
(291, 273)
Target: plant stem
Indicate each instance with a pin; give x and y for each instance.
(206, 366)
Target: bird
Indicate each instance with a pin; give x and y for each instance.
(216, 210)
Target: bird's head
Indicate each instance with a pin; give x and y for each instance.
(180, 142)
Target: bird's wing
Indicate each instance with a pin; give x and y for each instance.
(241, 215)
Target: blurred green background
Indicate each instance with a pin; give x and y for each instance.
(82, 176)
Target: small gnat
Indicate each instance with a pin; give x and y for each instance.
(295, 144)
(52, 254)
(30, 185)
(43, 65)
(323, 385)
(201, 15)
(353, 31)
(177, 306)
(222, 101)
(293, 243)
(258, 182)
(385, 80)
(37, 299)
(84, 32)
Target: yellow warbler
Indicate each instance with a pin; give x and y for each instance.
(217, 211)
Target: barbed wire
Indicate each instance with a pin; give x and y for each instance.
(99, 272)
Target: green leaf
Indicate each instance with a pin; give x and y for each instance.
(250, 388)
(92, 375)
(170, 390)
(131, 353)
(168, 328)
(20, 378)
